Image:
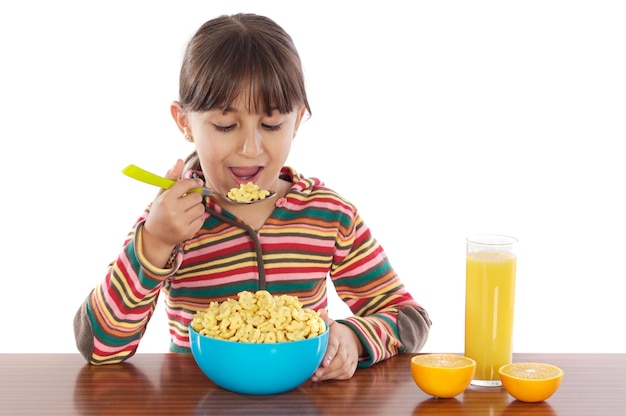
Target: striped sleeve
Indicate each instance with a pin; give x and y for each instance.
(386, 318)
(116, 312)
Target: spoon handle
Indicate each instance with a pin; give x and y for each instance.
(143, 175)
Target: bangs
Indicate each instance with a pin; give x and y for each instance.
(266, 71)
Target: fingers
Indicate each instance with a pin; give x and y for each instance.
(341, 358)
(333, 345)
(337, 364)
(182, 186)
(176, 171)
(178, 213)
(331, 350)
(326, 318)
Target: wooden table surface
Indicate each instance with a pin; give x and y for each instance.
(172, 384)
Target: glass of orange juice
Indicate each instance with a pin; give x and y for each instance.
(489, 304)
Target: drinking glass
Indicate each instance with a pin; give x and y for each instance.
(489, 304)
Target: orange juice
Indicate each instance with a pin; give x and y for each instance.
(489, 305)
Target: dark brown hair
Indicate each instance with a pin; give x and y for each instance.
(242, 53)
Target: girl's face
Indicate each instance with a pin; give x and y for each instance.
(236, 146)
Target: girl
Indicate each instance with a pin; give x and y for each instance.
(242, 99)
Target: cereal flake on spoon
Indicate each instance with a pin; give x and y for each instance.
(248, 192)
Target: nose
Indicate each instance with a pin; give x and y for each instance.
(252, 144)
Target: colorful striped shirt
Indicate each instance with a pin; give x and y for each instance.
(312, 234)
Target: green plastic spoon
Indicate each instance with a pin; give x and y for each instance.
(150, 178)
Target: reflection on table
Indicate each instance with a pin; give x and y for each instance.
(172, 384)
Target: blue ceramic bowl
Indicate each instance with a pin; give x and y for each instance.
(258, 368)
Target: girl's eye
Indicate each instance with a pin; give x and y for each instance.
(272, 128)
(224, 128)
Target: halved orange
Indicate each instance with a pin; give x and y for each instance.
(530, 382)
(442, 375)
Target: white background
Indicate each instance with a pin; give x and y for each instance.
(445, 120)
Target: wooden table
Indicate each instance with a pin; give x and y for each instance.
(172, 384)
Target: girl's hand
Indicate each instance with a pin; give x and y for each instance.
(175, 216)
(342, 354)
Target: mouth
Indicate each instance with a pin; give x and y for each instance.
(245, 174)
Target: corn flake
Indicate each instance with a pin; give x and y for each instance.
(259, 317)
(247, 192)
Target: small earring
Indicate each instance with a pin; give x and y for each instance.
(189, 139)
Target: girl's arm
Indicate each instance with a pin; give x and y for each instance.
(386, 318)
(110, 323)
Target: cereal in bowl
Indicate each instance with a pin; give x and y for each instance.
(259, 317)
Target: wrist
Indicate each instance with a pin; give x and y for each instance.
(154, 250)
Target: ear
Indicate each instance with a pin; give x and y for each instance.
(301, 113)
(180, 117)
